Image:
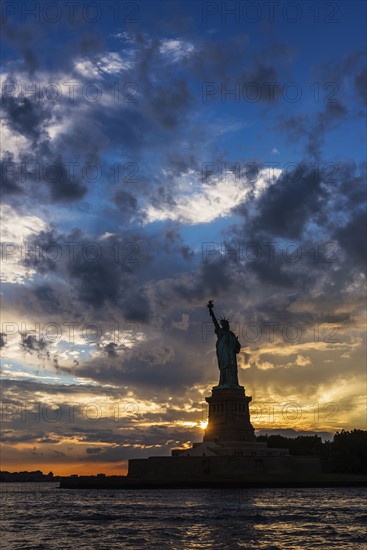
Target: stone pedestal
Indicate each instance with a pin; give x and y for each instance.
(229, 416)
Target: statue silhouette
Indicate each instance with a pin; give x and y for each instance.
(227, 348)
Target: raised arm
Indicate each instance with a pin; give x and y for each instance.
(211, 313)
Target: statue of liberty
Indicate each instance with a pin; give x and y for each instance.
(227, 348)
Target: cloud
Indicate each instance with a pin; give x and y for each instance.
(108, 63)
(31, 344)
(351, 236)
(26, 117)
(23, 40)
(204, 201)
(360, 82)
(183, 324)
(175, 49)
(94, 450)
(313, 128)
(301, 361)
(299, 194)
(16, 229)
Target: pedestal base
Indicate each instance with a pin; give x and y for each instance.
(229, 415)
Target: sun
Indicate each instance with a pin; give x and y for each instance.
(203, 424)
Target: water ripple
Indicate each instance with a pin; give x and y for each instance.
(41, 516)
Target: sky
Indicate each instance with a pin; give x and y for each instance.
(156, 155)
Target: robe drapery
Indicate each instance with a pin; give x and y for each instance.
(227, 348)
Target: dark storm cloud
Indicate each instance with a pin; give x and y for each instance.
(179, 164)
(232, 65)
(63, 187)
(47, 298)
(287, 206)
(94, 450)
(99, 283)
(339, 73)
(163, 197)
(2, 339)
(295, 127)
(126, 202)
(351, 192)
(293, 201)
(10, 178)
(173, 243)
(100, 274)
(312, 129)
(24, 116)
(348, 202)
(333, 114)
(111, 349)
(264, 80)
(86, 138)
(333, 86)
(277, 275)
(45, 177)
(212, 279)
(44, 262)
(168, 104)
(136, 306)
(268, 69)
(31, 344)
(352, 237)
(360, 82)
(47, 163)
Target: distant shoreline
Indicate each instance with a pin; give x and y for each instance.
(123, 483)
(86, 482)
